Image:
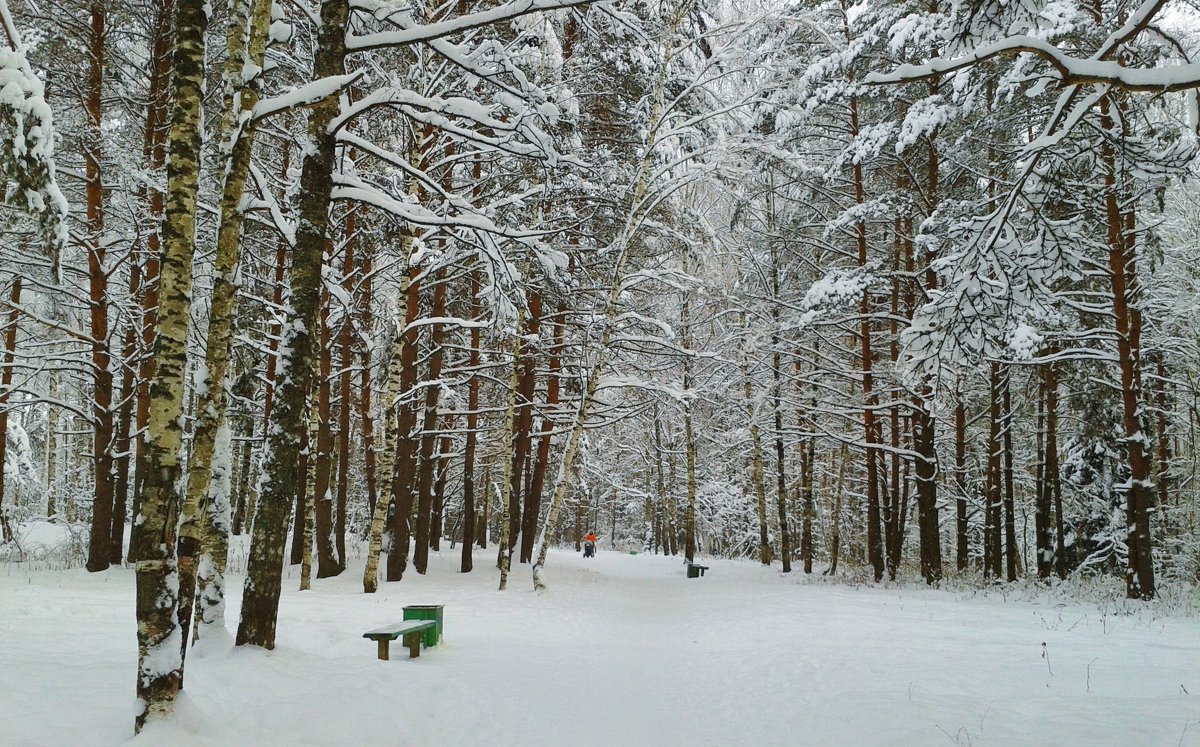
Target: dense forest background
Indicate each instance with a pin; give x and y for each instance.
(882, 289)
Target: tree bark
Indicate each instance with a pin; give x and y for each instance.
(345, 392)
(6, 376)
(206, 519)
(160, 644)
(322, 440)
(1122, 269)
(523, 524)
(961, 545)
(99, 547)
(260, 598)
(155, 155)
(1010, 520)
(429, 436)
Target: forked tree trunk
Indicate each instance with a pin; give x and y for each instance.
(260, 597)
(537, 480)
(206, 513)
(525, 516)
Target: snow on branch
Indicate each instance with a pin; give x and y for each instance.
(27, 131)
(401, 16)
(1070, 70)
(305, 95)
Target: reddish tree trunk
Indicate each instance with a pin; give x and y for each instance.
(99, 547)
(10, 347)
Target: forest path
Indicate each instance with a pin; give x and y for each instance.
(621, 650)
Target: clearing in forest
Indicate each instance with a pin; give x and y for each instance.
(622, 650)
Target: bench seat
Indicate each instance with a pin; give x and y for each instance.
(409, 630)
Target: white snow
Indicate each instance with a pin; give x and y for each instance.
(621, 650)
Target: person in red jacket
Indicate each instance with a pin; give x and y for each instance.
(589, 545)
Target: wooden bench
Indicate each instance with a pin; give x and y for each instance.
(410, 630)
(695, 570)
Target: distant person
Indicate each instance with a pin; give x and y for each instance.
(589, 545)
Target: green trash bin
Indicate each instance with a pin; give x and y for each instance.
(433, 612)
(692, 572)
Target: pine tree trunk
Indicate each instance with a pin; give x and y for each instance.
(260, 598)
(1041, 514)
(124, 422)
(99, 547)
(404, 470)
(962, 548)
(160, 644)
(992, 556)
(756, 466)
(537, 480)
(10, 347)
(1122, 270)
(322, 497)
(52, 450)
(524, 525)
(345, 393)
(1010, 520)
(365, 419)
(428, 436)
(1052, 475)
(472, 438)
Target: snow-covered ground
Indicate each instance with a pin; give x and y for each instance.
(622, 650)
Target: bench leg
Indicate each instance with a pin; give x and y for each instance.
(702, 573)
(413, 640)
(383, 649)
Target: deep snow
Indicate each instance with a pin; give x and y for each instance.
(622, 650)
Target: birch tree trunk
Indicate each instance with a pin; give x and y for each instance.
(504, 558)
(160, 643)
(611, 310)
(154, 151)
(206, 507)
